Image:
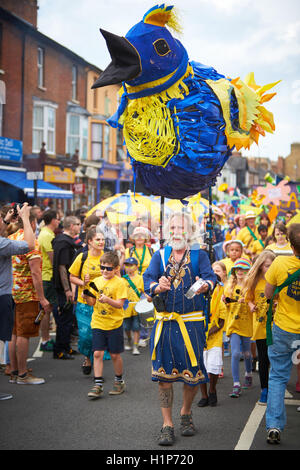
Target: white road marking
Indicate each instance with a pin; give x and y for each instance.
(252, 425)
(247, 436)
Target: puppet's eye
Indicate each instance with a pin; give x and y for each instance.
(161, 47)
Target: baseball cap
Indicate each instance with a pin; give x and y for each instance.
(242, 263)
(131, 260)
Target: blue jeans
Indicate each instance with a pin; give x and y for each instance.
(237, 342)
(280, 356)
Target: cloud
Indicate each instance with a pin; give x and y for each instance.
(233, 36)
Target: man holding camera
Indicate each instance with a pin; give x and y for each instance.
(9, 248)
(28, 295)
(178, 337)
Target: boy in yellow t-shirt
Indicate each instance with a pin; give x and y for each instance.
(107, 294)
(135, 287)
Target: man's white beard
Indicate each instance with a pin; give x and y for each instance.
(178, 244)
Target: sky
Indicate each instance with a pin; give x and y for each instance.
(233, 36)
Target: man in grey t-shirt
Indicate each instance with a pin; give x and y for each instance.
(8, 248)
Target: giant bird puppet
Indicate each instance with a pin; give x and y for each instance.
(181, 119)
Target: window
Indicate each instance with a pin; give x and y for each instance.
(40, 66)
(77, 135)
(43, 127)
(95, 96)
(74, 82)
(100, 141)
(97, 141)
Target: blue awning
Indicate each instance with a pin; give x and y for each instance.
(44, 189)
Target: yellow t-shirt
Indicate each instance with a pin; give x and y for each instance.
(239, 319)
(90, 266)
(138, 254)
(287, 313)
(45, 243)
(279, 249)
(245, 236)
(106, 317)
(260, 314)
(257, 247)
(216, 340)
(132, 297)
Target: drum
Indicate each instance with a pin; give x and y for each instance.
(145, 311)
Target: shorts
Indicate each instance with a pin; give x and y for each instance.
(108, 340)
(213, 360)
(6, 317)
(132, 323)
(25, 314)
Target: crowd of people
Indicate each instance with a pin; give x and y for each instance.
(87, 277)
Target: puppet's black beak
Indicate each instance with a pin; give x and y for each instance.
(125, 64)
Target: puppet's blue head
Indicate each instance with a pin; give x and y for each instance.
(148, 52)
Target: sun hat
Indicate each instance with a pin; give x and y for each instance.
(141, 231)
(250, 215)
(228, 242)
(242, 263)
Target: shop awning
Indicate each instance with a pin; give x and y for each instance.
(44, 189)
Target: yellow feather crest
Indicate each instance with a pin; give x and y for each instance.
(162, 15)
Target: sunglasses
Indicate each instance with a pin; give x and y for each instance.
(108, 268)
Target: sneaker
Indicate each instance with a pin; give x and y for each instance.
(248, 382)
(212, 399)
(297, 387)
(118, 388)
(72, 352)
(203, 402)
(135, 350)
(128, 346)
(273, 436)
(62, 355)
(96, 391)
(236, 391)
(5, 396)
(187, 427)
(167, 436)
(48, 346)
(29, 379)
(13, 379)
(143, 343)
(86, 368)
(263, 397)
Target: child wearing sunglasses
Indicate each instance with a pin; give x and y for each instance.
(107, 294)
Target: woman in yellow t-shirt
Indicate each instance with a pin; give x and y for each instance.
(85, 268)
(254, 292)
(239, 324)
(281, 245)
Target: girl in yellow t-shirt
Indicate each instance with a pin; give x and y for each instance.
(239, 324)
(81, 273)
(254, 292)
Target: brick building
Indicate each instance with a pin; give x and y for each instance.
(49, 111)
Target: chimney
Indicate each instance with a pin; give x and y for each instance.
(25, 9)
